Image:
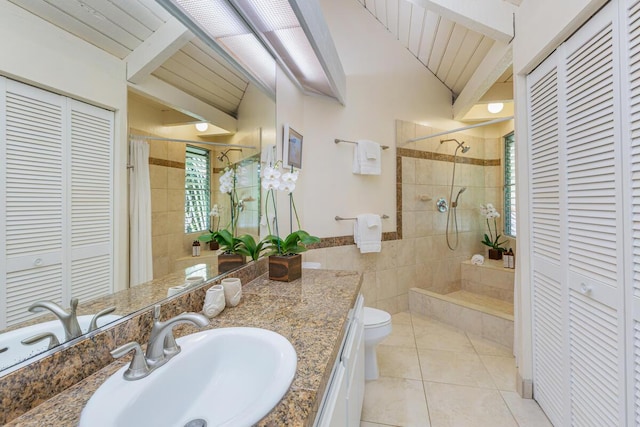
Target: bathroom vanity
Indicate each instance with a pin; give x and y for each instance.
(320, 314)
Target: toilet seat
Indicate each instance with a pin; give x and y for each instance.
(374, 318)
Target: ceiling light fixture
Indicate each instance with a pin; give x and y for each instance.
(202, 126)
(495, 107)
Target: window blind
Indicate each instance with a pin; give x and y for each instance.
(197, 190)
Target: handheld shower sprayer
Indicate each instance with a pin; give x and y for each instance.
(455, 203)
(452, 215)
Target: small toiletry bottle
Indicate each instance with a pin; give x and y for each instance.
(505, 259)
(194, 248)
(198, 247)
(512, 259)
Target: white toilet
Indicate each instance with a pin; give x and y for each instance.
(377, 325)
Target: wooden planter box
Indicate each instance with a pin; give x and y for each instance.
(285, 268)
(228, 262)
(495, 254)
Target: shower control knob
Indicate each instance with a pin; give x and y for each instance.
(442, 205)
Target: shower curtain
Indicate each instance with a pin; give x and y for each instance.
(140, 257)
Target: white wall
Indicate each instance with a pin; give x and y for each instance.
(41, 54)
(541, 25)
(384, 83)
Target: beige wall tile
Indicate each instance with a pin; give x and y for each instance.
(158, 200)
(159, 223)
(176, 200)
(175, 178)
(158, 149)
(158, 176)
(386, 283)
(424, 172)
(408, 170)
(176, 152)
(406, 277)
(175, 222)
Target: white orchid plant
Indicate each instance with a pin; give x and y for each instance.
(490, 212)
(297, 241)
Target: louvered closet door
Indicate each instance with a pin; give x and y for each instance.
(31, 189)
(631, 89)
(548, 295)
(91, 131)
(594, 224)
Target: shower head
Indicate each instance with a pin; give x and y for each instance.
(465, 148)
(223, 155)
(462, 190)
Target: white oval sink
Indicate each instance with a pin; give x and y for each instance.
(17, 352)
(226, 377)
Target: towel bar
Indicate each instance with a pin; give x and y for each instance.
(339, 218)
(384, 147)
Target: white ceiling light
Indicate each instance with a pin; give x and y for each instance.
(202, 126)
(495, 107)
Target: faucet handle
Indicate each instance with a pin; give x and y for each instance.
(53, 339)
(94, 320)
(171, 347)
(138, 368)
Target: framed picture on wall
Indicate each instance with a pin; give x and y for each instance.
(292, 148)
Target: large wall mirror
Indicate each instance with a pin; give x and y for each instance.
(238, 114)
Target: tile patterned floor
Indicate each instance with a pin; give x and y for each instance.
(433, 375)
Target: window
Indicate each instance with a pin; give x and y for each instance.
(197, 190)
(510, 185)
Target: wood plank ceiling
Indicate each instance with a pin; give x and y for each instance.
(120, 26)
(449, 50)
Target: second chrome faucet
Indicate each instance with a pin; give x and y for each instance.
(161, 347)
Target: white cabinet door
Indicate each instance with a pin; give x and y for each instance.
(548, 295)
(33, 198)
(594, 222)
(576, 188)
(56, 198)
(631, 143)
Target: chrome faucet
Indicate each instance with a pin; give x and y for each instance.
(69, 320)
(162, 345)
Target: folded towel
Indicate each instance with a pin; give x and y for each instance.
(366, 158)
(477, 259)
(367, 233)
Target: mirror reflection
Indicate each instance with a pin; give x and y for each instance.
(38, 310)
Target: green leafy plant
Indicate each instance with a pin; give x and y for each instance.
(294, 243)
(249, 247)
(228, 243)
(489, 212)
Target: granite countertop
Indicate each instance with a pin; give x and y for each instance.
(310, 312)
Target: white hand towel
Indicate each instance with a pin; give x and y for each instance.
(367, 233)
(213, 301)
(477, 259)
(366, 158)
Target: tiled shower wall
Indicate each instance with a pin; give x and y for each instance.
(420, 256)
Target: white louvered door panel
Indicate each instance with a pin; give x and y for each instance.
(594, 223)
(33, 197)
(548, 295)
(91, 201)
(631, 145)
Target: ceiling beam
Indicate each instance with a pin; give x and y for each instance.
(492, 18)
(498, 59)
(499, 92)
(155, 50)
(172, 97)
(315, 27)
